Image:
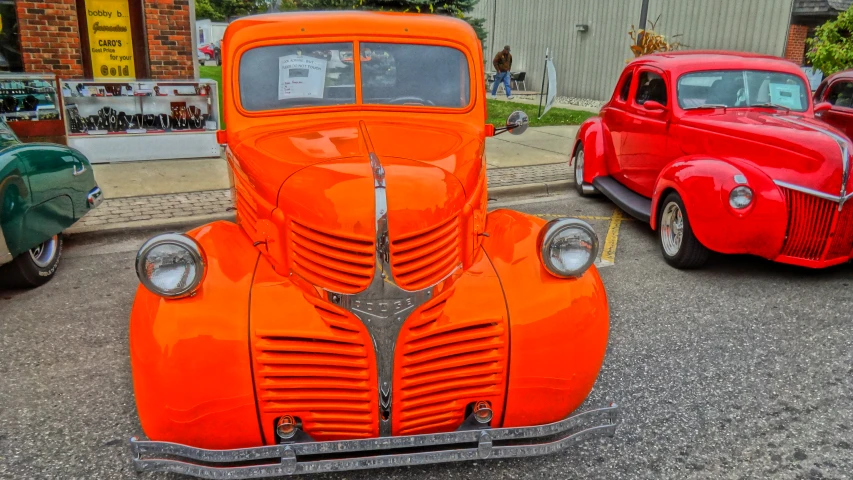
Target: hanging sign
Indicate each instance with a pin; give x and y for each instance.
(110, 39)
(301, 77)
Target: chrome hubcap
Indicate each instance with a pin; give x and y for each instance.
(44, 254)
(671, 229)
(579, 168)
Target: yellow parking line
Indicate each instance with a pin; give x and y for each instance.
(608, 253)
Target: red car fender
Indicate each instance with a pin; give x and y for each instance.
(705, 184)
(191, 368)
(558, 326)
(591, 133)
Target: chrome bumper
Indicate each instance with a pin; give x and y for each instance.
(295, 458)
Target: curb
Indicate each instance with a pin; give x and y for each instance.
(155, 223)
(531, 189)
(508, 191)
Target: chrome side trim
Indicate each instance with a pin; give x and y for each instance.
(588, 189)
(5, 254)
(285, 459)
(845, 154)
(809, 191)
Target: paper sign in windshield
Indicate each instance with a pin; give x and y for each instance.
(786, 95)
(301, 77)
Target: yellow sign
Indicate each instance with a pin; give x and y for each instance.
(110, 39)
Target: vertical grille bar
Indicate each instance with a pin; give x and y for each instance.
(810, 227)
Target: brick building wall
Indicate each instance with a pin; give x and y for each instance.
(50, 37)
(795, 49)
(49, 34)
(170, 41)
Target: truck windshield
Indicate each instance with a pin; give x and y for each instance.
(320, 74)
(406, 74)
(742, 89)
(292, 76)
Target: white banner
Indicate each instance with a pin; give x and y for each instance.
(552, 86)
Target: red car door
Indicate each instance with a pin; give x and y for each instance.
(646, 134)
(616, 118)
(840, 95)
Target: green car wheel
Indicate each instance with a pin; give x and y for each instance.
(35, 267)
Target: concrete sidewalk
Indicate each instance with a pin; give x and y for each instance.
(537, 146)
(181, 192)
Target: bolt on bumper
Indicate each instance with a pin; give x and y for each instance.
(295, 458)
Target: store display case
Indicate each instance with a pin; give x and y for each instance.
(113, 121)
(31, 107)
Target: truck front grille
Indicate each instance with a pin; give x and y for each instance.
(334, 261)
(443, 364)
(327, 381)
(422, 259)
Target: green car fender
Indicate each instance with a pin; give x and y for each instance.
(44, 189)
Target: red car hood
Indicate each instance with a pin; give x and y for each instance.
(789, 148)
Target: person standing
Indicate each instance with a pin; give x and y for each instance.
(503, 64)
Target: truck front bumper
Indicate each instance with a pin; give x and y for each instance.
(336, 456)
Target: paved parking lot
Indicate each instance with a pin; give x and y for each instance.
(743, 369)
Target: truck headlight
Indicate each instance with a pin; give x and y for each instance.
(569, 247)
(741, 197)
(170, 265)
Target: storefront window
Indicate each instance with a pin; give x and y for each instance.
(10, 47)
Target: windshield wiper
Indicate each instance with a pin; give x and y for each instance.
(771, 105)
(708, 105)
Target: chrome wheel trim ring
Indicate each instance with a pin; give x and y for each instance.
(672, 229)
(44, 254)
(579, 167)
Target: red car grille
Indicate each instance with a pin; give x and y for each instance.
(424, 258)
(443, 365)
(325, 381)
(333, 261)
(816, 227)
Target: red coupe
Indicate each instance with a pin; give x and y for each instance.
(721, 152)
(833, 101)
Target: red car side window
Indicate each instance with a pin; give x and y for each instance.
(841, 94)
(650, 86)
(626, 87)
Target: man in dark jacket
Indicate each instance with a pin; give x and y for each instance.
(503, 64)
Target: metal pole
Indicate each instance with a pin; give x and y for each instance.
(644, 12)
(542, 91)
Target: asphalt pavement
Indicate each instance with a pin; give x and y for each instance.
(743, 369)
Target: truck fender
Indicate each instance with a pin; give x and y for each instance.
(591, 134)
(704, 185)
(547, 379)
(190, 357)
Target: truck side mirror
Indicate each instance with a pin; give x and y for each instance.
(516, 124)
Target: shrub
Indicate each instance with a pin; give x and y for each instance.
(831, 48)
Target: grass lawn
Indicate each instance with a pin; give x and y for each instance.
(498, 110)
(214, 73)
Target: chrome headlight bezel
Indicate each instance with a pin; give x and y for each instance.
(551, 231)
(190, 245)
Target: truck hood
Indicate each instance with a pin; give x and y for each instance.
(789, 148)
(268, 156)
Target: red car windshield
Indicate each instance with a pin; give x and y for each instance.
(742, 89)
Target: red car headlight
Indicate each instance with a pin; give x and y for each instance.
(741, 197)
